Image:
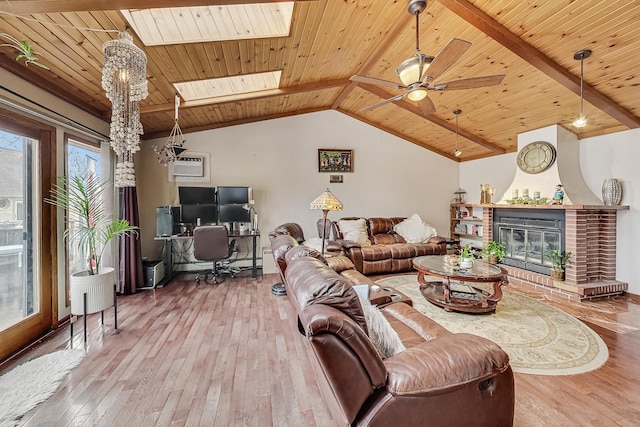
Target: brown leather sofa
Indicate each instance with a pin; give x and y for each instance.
(439, 379)
(389, 252)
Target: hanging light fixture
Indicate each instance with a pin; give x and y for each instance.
(457, 152)
(580, 56)
(175, 144)
(412, 71)
(124, 79)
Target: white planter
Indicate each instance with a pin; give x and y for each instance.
(99, 290)
(466, 262)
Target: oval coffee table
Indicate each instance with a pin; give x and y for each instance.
(453, 293)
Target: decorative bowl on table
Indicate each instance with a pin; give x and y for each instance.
(450, 260)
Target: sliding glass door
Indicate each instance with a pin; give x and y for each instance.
(25, 292)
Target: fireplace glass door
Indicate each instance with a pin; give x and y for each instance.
(529, 247)
(528, 238)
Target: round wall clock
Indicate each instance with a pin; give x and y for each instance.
(536, 157)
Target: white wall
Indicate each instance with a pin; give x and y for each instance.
(278, 158)
(601, 157)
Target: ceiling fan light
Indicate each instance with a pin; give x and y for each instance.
(409, 70)
(417, 94)
(580, 122)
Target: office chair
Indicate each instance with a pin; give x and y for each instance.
(211, 243)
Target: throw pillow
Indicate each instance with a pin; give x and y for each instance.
(384, 338)
(355, 230)
(414, 229)
(315, 243)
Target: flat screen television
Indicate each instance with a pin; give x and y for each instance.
(233, 213)
(197, 195)
(207, 214)
(234, 195)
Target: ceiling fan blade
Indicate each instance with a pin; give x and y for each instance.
(470, 83)
(426, 106)
(375, 81)
(447, 56)
(381, 103)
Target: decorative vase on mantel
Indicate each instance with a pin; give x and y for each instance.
(611, 192)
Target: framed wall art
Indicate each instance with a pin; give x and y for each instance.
(335, 160)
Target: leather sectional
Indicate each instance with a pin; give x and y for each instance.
(439, 378)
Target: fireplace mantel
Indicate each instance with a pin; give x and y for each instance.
(564, 207)
(590, 234)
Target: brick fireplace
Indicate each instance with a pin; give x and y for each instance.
(590, 234)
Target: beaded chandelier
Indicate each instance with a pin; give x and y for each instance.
(124, 79)
(175, 144)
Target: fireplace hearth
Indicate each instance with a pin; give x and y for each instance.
(529, 236)
(588, 231)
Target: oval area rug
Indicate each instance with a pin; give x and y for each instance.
(538, 338)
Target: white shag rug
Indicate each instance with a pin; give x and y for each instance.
(33, 382)
(538, 338)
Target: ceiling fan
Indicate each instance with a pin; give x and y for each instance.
(418, 72)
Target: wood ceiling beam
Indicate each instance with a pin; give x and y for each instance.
(533, 56)
(52, 6)
(375, 56)
(412, 108)
(321, 85)
(236, 122)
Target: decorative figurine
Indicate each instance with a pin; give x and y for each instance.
(459, 195)
(558, 196)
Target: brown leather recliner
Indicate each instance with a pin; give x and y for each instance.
(294, 230)
(388, 252)
(440, 379)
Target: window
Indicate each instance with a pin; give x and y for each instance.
(83, 158)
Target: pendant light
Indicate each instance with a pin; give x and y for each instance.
(457, 152)
(580, 55)
(174, 146)
(124, 79)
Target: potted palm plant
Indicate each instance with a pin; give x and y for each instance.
(559, 260)
(83, 200)
(493, 252)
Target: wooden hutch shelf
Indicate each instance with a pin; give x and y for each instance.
(463, 223)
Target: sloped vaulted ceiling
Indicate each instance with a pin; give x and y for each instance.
(532, 42)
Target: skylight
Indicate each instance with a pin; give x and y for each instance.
(226, 86)
(210, 23)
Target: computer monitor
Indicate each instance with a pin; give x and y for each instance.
(207, 214)
(233, 195)
(233, 213)
(197, 195)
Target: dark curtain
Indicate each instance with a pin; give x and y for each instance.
(131, 276)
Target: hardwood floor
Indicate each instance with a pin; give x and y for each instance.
(230, 355)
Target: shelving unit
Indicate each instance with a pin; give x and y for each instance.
(461, 216)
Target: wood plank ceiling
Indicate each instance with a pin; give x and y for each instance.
(532, 42)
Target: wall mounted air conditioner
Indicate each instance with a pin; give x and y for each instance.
(189, 166)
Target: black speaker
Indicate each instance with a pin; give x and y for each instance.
(167, 218)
